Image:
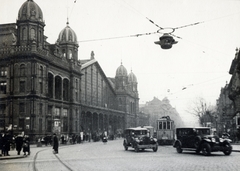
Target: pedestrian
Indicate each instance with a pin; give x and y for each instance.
(6, 144)
(62, 138)
(19, 143)
(26, 145)
(55, 143)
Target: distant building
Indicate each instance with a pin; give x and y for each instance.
(224, 121)
(45, 88)
(157, 109)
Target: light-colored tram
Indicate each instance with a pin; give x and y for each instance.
(165, 131)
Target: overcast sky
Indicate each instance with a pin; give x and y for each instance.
(197, 66)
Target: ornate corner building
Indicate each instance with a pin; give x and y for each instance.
(45, 88)
(234, 88)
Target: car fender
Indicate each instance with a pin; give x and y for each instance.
(177, 141)
(226, 141)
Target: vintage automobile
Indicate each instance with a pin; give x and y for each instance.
(139, 138)
(200, 139)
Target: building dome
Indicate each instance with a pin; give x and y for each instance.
(132, 78)
(67, 35)
(121, 71)
(30, 11)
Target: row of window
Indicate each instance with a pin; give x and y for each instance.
(165, 125)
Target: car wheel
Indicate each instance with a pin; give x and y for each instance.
(125, 145)
(178, 148)
(136, 148)
(227, 148)
(206, 149)
(155, 148)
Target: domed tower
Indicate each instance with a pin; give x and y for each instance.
(121, 78)
(132, 81)
(67, 41)
(30, 24)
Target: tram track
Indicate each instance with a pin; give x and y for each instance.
(35, 161)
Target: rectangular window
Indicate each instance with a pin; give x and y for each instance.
(41, 87)
(65, 112)
(22, 86)
(164, 125)
(3, 87)
(160, 125)
(50, 110)
(168, 125)
(40, 109)
(3, 71)
(57, 111)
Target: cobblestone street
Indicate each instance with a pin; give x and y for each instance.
(112, 156)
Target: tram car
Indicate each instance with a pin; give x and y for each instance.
(165, 131)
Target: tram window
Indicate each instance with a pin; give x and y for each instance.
(168, 125)
(160, 125)
(164, 125)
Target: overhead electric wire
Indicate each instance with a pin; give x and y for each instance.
(150, 33)
(119, 37)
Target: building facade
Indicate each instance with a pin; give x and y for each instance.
(234, 90)
(45, 88)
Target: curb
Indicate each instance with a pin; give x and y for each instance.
(11, 157)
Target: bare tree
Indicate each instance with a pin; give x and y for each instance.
(203, 111)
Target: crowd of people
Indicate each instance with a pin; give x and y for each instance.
(20, 142)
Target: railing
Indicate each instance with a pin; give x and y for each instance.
(14, 50)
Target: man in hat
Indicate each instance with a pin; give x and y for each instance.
(55, 143)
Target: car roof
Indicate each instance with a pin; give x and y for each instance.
(136, 129)
(193, 128)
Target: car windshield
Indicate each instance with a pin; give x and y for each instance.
(203, 131)
(140, 132)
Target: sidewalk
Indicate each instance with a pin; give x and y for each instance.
(236, 147)
(13, 153)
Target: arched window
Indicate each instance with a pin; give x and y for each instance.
(58, 87)
(32, 34)
(70, 54)
(22, 70)
(76, 84)
(50, 85)
(64, 53)
(65, 89)
(24, 34)
(41, 71)
(40, 36)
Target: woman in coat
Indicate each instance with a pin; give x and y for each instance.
(55, 143)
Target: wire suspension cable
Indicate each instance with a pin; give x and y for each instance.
(120, 37)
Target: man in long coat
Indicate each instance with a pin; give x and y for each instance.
(55, 143)
(19, 143)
